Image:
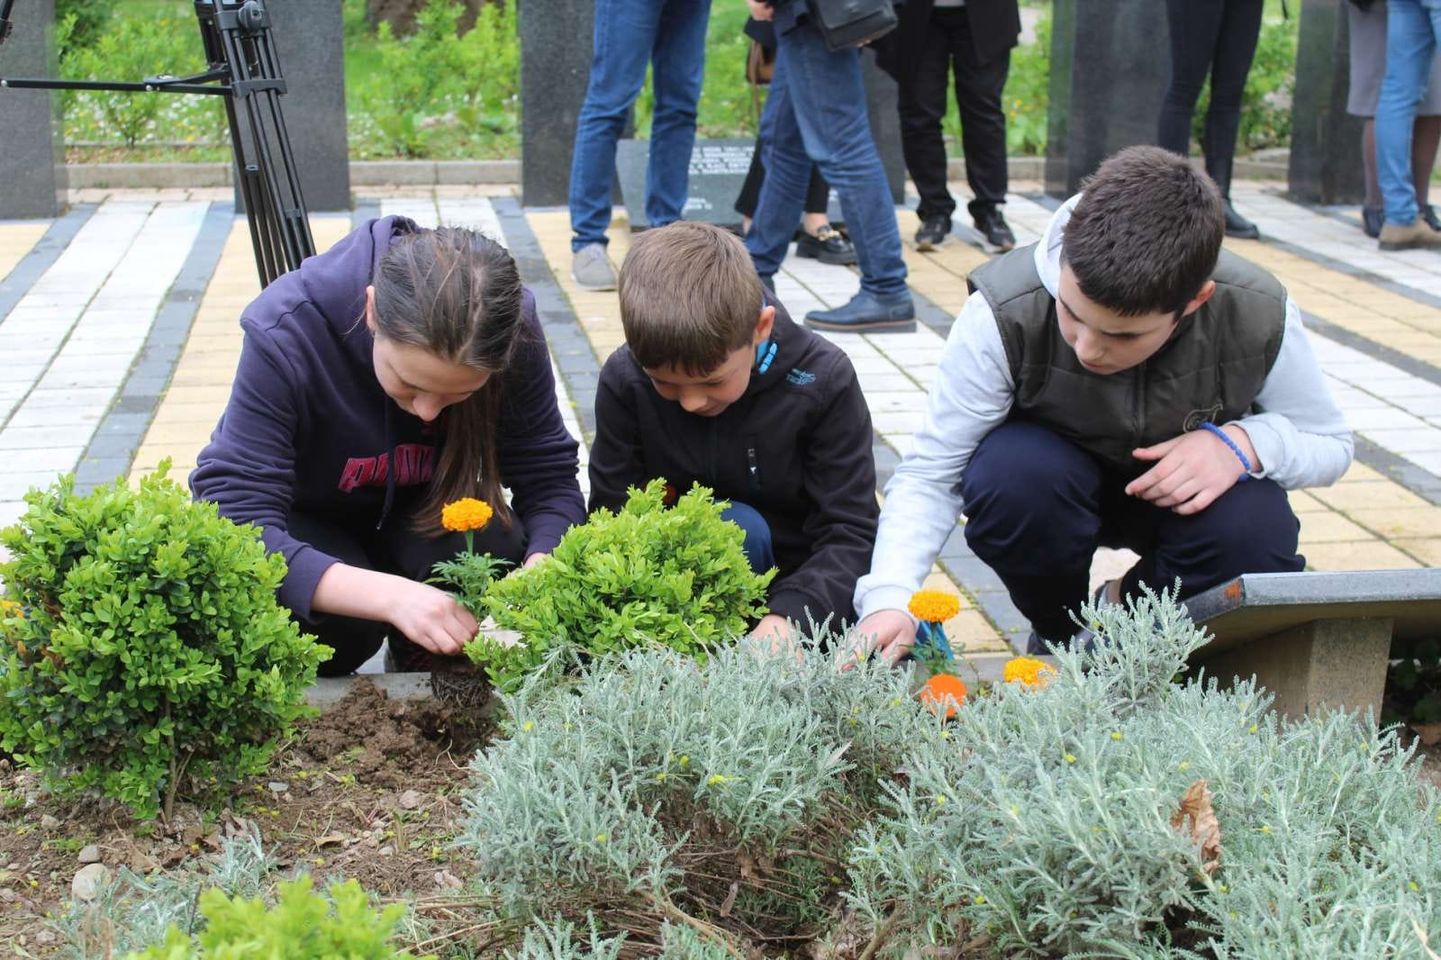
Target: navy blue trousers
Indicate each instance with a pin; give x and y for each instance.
(1038, 506)
(758, 546)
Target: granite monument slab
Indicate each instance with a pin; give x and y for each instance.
(32, 158)
(1109, 70)
(1325, 161)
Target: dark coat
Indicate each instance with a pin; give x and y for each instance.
(796, 446)
(995, 27)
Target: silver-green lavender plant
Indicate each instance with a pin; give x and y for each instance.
(720, 799)
(133, 911)
(1045, 823)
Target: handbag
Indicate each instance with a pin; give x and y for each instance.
(852, 23)
(760, 64)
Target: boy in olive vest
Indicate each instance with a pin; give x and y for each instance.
(1124, 382)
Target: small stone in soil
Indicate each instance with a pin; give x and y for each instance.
(387, 851)
(409, 800)
(47, 822)
(88, 880)
(90, 853)
(278, 786)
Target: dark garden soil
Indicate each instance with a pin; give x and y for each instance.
(369, 790)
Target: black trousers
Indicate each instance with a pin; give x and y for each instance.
(817, 191)
(1038, 506)
(1216, 37)
(922, 104)
(396, 549)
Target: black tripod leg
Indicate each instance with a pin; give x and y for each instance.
(237, 36)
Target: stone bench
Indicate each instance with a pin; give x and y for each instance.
(1315, 639)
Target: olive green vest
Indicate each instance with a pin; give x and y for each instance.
(1211, 369)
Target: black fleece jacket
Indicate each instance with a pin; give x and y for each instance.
(796, 446)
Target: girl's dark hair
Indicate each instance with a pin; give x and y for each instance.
(1146, 233)
(456, 294)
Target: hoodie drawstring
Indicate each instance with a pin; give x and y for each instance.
(390, 463)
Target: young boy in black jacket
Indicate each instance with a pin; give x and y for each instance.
(716, 385)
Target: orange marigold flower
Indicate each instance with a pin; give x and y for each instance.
(9, 608)
(1029, 672)
(934, 606)
(944, 691)
(465, 514)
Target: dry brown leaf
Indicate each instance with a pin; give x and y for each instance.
(1196, 816)
(1428, 733)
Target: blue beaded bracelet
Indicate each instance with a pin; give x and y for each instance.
(1245, 463)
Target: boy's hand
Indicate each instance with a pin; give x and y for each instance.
(773, 626)
(1191, 470)
(760, 9)
(888, 633)
(776, 635)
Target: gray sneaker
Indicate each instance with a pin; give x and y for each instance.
(591, 268)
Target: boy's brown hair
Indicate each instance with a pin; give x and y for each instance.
(689, 297)
(1146, 233)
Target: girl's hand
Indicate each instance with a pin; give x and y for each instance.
(533, 559)
(760, 9)
(431, 617)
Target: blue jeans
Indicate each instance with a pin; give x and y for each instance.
(669, 35)
(816, 112)
(1413, 35)
(759, 548)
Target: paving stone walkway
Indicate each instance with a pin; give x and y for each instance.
(118, 335)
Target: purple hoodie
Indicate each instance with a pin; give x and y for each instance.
(308, 427)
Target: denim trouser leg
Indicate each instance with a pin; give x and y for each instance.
(783, 156)
(1413, 29)
(679, 66)
(628, 33)
(824, 100)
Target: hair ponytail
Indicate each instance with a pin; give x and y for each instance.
(456, 294)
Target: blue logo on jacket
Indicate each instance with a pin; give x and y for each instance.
(800, 377)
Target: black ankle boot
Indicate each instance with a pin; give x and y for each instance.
(1238, 226)
(1372, 219)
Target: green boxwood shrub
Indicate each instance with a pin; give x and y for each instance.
(303, 925)
(149, 658)
(675, 576)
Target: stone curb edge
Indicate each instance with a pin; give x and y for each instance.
(378, 173)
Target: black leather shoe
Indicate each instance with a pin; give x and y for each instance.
(1373, 219)
(992, 225)
(867, 312)
(828, 245)
(1428, 213)
(933, 233)
(1238, 226)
